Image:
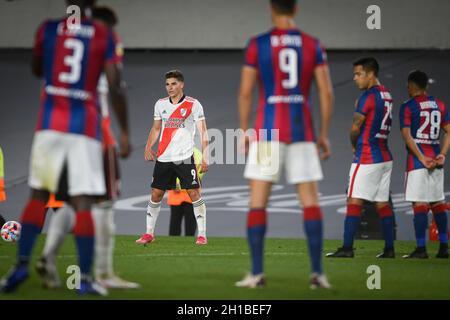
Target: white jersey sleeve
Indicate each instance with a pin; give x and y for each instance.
(197, 110)
(157, 112)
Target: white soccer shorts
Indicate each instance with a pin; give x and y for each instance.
(266, 160)
(370, 182)
(423, 185)
(83, 156)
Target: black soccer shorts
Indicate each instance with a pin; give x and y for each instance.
(165, 175)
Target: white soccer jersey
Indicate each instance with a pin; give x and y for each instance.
(178, 128)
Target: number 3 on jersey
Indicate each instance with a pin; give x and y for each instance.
(73, 61)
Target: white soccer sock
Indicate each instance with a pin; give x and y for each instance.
(153, 209)
(104, 237)
(61, 222)
(200, 216)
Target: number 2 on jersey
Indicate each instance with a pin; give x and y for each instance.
(387, 116)
(73, 61)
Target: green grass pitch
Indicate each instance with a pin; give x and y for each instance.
(175, 268)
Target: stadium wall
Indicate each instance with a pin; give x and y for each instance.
(226, 24)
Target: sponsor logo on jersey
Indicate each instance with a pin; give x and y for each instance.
(175, 123)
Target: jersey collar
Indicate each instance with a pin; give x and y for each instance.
(181, 100)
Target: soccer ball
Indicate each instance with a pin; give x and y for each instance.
(11, 231)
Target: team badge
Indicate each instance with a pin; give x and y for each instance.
(183, 111)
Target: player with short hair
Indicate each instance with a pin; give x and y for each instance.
(422, 118)
(283, 62)
(102, 211)
(176, 118)
(370, 173)
(67, 151)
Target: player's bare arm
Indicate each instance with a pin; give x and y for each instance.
(428, 162)
(357, 122)
(440, 159)
(119, 103)
(248, 81)
(326, 99)
(204, 139)
(150, 154)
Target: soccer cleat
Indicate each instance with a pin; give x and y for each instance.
(201, 240)
(145, 239)
(387, 254)
(251, 281)
(418, 253)
(443, 251)
(341, 252)
(115, 282)
(319, 281)
(47, 272)
(13, 279)
(90, 287)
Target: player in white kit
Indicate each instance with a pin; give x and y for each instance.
(176, 117)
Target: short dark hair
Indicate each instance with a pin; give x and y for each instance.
(284, 6)
(419, 78)
(105, 14)
(368, 64)
(175, 74)
(82, 3)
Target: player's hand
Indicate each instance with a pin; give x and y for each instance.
(353, 150)
(324, 148)
(428, 162)
(149, 154)
(204, 167)
(440, 160)
(244, 143)
(125, 146)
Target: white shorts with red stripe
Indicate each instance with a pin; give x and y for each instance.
(423, 185)
(80, 156)
(370, 182)
(266, 160)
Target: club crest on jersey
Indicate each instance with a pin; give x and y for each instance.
(183, 111)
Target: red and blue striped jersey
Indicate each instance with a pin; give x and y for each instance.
(372, 145)
(73, 59)
(425, 116)
(285, 61)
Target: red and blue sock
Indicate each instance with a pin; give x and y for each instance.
(312, 222)
(387, 226)
(32, 220)
(351, 224)
(440, 217)
(420, 224)
(256, 230)
(84, 237)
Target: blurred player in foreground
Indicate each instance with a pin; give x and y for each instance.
(66, 154)
(63, 221)
(283, 62)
